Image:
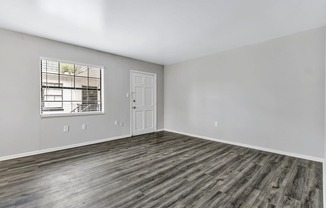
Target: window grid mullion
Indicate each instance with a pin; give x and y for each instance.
(101, 90)
(87, 86)
(56, 85)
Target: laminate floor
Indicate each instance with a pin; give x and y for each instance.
(160, 170)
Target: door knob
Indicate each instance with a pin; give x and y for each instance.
(134, 107)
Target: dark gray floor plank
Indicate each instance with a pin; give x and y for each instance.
(160, 170)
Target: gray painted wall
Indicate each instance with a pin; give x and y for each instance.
(324, 164)
(269, 94)
(21, 128)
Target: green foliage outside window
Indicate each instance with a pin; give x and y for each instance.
(67, 68)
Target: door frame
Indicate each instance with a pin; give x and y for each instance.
(131, 96)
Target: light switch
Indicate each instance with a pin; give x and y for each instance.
(84, 126)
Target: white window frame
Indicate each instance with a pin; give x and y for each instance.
(102, 112)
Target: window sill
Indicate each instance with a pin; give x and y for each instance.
(70, 114)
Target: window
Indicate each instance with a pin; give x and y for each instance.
(68, 88)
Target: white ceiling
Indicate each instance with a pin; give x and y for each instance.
(161, 31)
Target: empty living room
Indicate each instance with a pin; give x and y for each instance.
(160, 103)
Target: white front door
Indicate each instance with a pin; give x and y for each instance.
(143, 102)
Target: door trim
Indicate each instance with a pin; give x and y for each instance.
(130, 100)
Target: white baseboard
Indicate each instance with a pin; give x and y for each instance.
(306, 157)
(9, 157)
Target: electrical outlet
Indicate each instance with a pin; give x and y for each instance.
(115, 123)
(66, 128)
(216, 124)
(84, 126)
(122, 123)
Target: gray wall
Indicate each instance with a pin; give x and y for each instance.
(324, 164)
(21, 128)
(269, 94)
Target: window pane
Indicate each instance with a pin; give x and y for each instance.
(81, 82)
(94, 72)
(76, 107)
(81, 70)
(67, 81)
(67, 95)
(67, 107)
(51, 100)
(43, 65)
(95, 83)
(99, 106)
(67, 69)
(52, 106)
(99, 96)
(44, 79)
(76, 95)
(50, 66)
(89, 107)
(90, 96)
(50, 80)
(53, 92)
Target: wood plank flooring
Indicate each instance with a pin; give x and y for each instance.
(160, 170)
